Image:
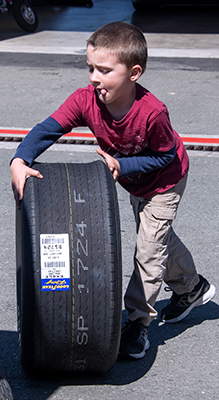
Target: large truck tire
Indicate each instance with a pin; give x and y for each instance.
(69, 279)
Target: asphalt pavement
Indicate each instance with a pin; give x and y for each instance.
(182, 362)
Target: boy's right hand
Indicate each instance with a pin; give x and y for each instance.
(19, 173)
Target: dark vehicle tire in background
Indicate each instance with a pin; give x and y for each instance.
(25, 16)
(68, 251)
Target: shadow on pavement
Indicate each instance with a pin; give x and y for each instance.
(123, 372)
(171, 19)
(178, 19)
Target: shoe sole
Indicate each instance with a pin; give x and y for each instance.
(142, 354)
(199, 302)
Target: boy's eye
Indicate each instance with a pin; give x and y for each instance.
(104, 71)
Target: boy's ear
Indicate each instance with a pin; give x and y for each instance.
(135, 73)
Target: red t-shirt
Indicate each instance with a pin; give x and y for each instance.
(146, 124)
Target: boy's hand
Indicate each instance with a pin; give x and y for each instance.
(112, 163)
(19, 173)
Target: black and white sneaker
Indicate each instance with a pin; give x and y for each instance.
(134, 340)
(179, 306)
(5, 389)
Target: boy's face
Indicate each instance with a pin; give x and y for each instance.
(110, 78)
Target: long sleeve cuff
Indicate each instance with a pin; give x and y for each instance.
(146, 161)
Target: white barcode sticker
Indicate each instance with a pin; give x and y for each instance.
(55, 262)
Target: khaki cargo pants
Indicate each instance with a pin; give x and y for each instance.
(159, 255)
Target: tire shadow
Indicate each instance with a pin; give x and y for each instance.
(123, 372)
(126, 371)
(23, 386)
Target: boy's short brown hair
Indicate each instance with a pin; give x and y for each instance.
(124, 40)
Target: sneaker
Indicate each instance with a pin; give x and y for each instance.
(179, 306)
(5, 389)
(134, 340)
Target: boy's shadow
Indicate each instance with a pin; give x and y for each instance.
(126, 371)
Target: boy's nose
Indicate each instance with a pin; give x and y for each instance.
(94, 77)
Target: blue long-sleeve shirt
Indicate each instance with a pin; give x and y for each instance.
(43, 135)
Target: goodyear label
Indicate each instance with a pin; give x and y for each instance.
(53, 284)
(55, 262)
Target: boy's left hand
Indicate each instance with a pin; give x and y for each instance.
(112, 163)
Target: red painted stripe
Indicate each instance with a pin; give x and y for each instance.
(25, 132)
(77, 134)
(198, 140)
(13, 132)
(192, 140)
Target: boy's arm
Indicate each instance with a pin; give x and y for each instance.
(36, 142)
(112, 163)
(146, 161)
(41, 137)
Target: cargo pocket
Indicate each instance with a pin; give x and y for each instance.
(164, 212)
(163, 218)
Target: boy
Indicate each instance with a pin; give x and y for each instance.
(148, 159)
